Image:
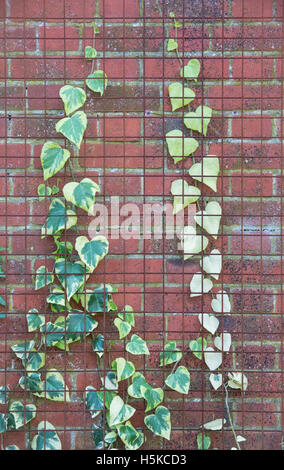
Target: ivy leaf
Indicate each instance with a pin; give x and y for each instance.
(20, 414)
(131, 438)
(237, 380)
(3, 303)
(47, 438)
(213, 359)
(180, 96)
(98, 436)
(34, 320)
(32, 360)
(183, 194)
(59, 218)
(91, 252)
(209, 322)
(4, 394)
(119, 411)
(98, 345)
(90, 53)
(192, 243)
(72, 97)
(223, 342)
(32, 383)
(199, 285)
(73, 127)
(62, 248)
(138, 381)
(43, 191)
(53, 158)
(179, 380)
(54, 387)
(199, 119)
(94, 402)
(212, 264)
(12, 447)
(57, 297)
(99, 299)
(127, 315)
(137, 346)
(78, 325)
(170, 354)
(222, 302)
(81, 194)
(70, 275)
(203, 442)
(206, 171)
(3, 423)
(172, 45)
(153, 396)
(180, 146)
(191, 70)
(109, 382)
(216, 380)
(97, 81)
(123, 327)
(209, 219)
(159, 422)
(124, 369)
(215, 425)
(53, 333)
(198, 347)
(43, 278)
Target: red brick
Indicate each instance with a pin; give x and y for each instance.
(119, 9)
(253, 68)
(252, 126)
(58, 38)
(252, 9)
(115, 128)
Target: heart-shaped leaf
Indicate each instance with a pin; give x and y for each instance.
(209, 219)
(209, 322)
(54, 387)
(179, 380)
(98, 299)
(200, 285)
(98, 345)
(34, 320)
(131, 438)
(180, 146)
(127, 315)
(212, 264)
(123, 327)
(4, 394)
(43, 277)
(216, 380)
(90, 53)
(206, 171)
(119, 411)
(137, 346)
(94, 402)
(198, 347)
(172, 45)
(159, 422)
(59, 218)
(223, 342)
(97, 82)
(109, 382)
(124, 369)
(199, 119)
(76, 325)
(73, 127)
(215, 425)
(3, 423)
(170, 354)
(153, 396)
(192, 243)
(180, 96)
(191, 70)
(32, 360)
(91, 252)
(222, 303)
(47, 438)
(53, 158)
(81, 194)
(70, 275)
(20, 414)
(237, 380)
(213, 359)
(203, 442)
(138, 381)
(72, 97)
(183, 194)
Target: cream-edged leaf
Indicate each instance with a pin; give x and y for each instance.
(53, 158)
(72, 97)
(119, 412)
(43, 277)
(179, 380)
(81, 194)
(91, 252)
(124, 369)
(159, 422)
(47, 438)
(97, 81)
(73, 127)
(137, 346)
(216, 380)
(59, 218)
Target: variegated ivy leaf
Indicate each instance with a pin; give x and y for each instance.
(77, 325)
(43, 277)
(180, 96)
(43, 191)
(57, 298)
(73, 127)
(199, 119)
(81, 194)
(99, 299)
(71, 275)
(180, 146)
(127, 315)
(203, 442)
(90, 53)
(237, 380)
(12, 447)
(124, 369)
(216, 380)
(212, 264)
(209, 322)
(106, 396)
(47, 438)
(183, 194)
(53, 333)
(91, 252)
(109, 382)
(72, 97)
(3, 423)
(34, 320)
(59, 218)
(4, 394)
(98, 345)
(54, 387)
(98, 437)
(222, 302)
(210, 218)
(170, 354)
(97, 81)
(215, 425)
(153, 396)
(20, 414)
(159, 422)
(137, 346)
(206, 171)
(62, 248)
(32, 360)
(179, 380)
(53, 158)
(172, 45)
(131, 438)
(32, 383)
(138, 381)
(94, 402)
(119, 412)
(111, 437)
(123, 327)
(198, 347)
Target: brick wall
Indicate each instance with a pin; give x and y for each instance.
(239, 44)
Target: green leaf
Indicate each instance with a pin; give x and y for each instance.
(159, 422)
(63, 249)
(3, 303)
(57, 297)
(98, 345)
(106, 396)
(119, 411)
(55, 189)
(54, 387)
(131, 438)
(123, 327)
(179, 380)
(210, 218)
(47, 438)
(70, 275)
(32, 383)
(81, 194)
(91, 252)
(72, 97)
(183, 194)
(43, 278)
(53, 158)
(78, 325)
(59, 218)
(203, 442)
(94, 402)
(73, 127)
(138, 381)
(153, 396)
(127, 315)
(137, 346)
(12, 447)
(53, 333)
(31, 359)
(3, 423)
(98, 436)
(90, 53)
(198, 347)
(172, 45)
(110, 437)
(20, 414)
(4, 394)
(199, 119)
(170, 354)
(109, 381)
(43, 191)
(34, 320)
(180, 146)
(180, 96)
(124, 369)
(97, 82)
(191, 70)
(206, 171)
(99, 299)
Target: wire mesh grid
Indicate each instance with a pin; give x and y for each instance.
(239, 44)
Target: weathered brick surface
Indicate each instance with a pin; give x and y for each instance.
(239, 44)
